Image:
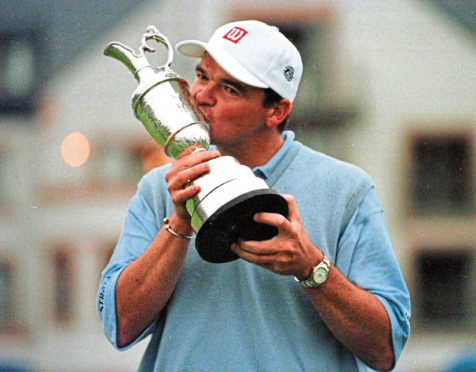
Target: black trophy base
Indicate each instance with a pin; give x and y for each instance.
(234, 220)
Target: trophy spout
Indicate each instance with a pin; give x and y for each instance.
(135, 63)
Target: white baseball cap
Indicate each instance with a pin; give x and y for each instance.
(254, 53)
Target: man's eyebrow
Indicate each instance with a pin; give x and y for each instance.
(235, 84)
(199, 69)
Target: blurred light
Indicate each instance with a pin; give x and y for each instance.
(75, 149)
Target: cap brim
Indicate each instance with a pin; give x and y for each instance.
(191, 48)
(196, 49)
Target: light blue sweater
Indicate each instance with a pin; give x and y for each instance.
(236, 316)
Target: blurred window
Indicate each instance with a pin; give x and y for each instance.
(6, 295)
(18, 71)
(3, 175)
(444, 287)
(441, 181)
(63, 285)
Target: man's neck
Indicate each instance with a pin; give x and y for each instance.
(256, 151)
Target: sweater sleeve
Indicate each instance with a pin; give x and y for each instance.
(139, 229)
(366, 257)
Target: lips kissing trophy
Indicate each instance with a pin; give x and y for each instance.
(222, 212)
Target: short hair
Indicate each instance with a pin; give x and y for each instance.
(269, 99)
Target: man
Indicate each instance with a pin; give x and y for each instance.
(350, 307)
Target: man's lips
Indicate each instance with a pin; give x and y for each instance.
(205, 117)
(201, 113)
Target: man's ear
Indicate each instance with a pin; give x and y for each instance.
(278, 112)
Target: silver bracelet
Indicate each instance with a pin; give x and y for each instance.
(174, 233)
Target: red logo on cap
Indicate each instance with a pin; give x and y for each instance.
(235, 34)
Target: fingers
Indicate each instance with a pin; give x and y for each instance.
(273, 219)
(265, 255)
(196, 157)
(181, 195)
(188, 168)
(189, 151)
(278, 220)
(255, 252)
(182, 172)
(181, 179)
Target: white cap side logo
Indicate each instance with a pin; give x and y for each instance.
(235, 34)
(288, 73)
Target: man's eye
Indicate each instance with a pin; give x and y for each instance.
(201, 76)
(231, 90)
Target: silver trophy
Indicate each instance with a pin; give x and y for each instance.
(222, 212)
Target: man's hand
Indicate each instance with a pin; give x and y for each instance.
(289, 253)
(190, 166)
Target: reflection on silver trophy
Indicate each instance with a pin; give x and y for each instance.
(230, 194)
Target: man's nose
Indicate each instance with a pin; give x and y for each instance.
(205, 95)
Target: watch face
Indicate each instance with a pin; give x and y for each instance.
(320, 275)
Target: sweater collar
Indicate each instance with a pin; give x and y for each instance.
(265, 171)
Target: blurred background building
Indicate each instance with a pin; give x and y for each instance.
(388, 85)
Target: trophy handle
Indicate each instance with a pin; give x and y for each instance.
(154, 34)
(137, 63)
